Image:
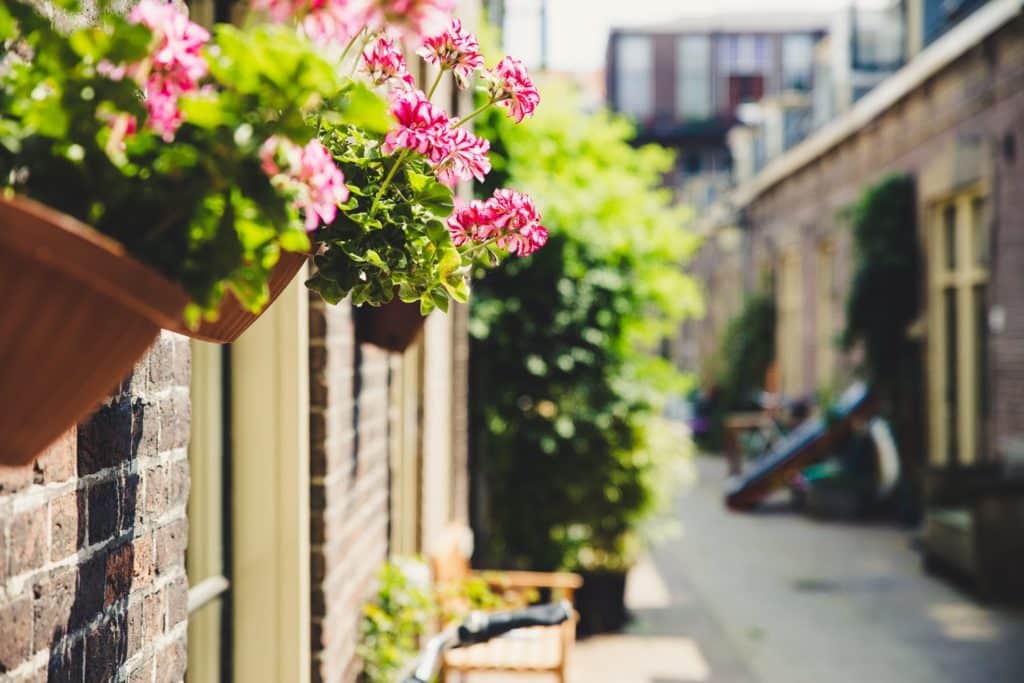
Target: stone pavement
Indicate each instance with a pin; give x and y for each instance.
(777, 597)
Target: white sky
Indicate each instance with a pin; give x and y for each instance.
(578, 29)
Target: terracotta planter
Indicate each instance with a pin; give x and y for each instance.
(393, 326)
(233, 319)
(76, 313)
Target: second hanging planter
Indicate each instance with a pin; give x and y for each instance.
(393, 326)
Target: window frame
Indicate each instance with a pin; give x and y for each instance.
(962, 277)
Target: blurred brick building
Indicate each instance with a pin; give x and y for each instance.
(952, 119)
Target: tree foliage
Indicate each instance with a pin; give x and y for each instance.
(566, 391)
(885, 294)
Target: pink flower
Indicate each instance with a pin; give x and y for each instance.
(510, 84)
(422, 127)
(473, 222)
(174, 68)
(324, 21)
(454, 50)
(465, 157)
(383, 62)
(310, 174)
(509, 218)
(412, 18)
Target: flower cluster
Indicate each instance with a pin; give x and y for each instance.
(454, 50)
(175, 66)
(509, 219)
(384, 63)
(454, 153)
(310, 174)
(510, 84)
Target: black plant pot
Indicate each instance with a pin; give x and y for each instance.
(601, 602)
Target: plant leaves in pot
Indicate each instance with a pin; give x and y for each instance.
(77, 313)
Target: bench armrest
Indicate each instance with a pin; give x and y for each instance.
(521, 579)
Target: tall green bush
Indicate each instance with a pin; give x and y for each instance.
(566, 398)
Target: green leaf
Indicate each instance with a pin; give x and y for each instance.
(437, 199)
(365, 109)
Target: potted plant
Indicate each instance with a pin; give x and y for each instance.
(215, 163)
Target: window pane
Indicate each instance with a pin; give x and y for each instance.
(952, 445)
(949, 236)
(693, 91)
(980, 227)
(981, 370)
(633, 76)
(797, 62)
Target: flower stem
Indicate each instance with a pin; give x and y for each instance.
(387, 181)
(437, 82)
(475, 113)
(348, 47)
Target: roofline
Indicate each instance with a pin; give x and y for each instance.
(933, 59)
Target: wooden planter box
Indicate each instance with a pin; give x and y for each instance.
(76, 314)
(232, 318)
(393, 326)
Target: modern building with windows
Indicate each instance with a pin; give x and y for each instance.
(684, 84)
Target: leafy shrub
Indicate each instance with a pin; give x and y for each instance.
(565, 398)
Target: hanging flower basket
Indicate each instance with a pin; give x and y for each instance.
(233, 318)
(76, 314)
(393, 326)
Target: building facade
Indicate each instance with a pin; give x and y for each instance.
(684, 84)
(952, 120)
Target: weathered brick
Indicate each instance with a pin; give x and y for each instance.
(120, 568)
(15, 633)
(142, 672)
(103, 511)
(67, 662)
(13, 479)
(54, 599)
(135, 625)
(127, 502)
(171, 662)
(171, 540)
(59, 462)
(67, 525)
(105, 650)
(177, 602)
(105, 440)
(143, 561)
(28, 540)
(153, 614)
(156, 488)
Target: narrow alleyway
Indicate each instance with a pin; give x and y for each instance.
(776, 597)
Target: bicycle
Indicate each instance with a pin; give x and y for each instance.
(480, 627)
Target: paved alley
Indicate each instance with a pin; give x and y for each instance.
(777, 597)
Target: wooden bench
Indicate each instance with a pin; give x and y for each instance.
(543, 650)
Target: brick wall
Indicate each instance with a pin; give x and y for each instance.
(349, 460)
(92, 539)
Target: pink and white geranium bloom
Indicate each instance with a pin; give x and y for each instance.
(454, 50)
(411, 19)
(175, 67)
(465, 157)
(508, 218)
(510, 84)
(309, 172)
(325, 21)
(422, 127)
(384, 63)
